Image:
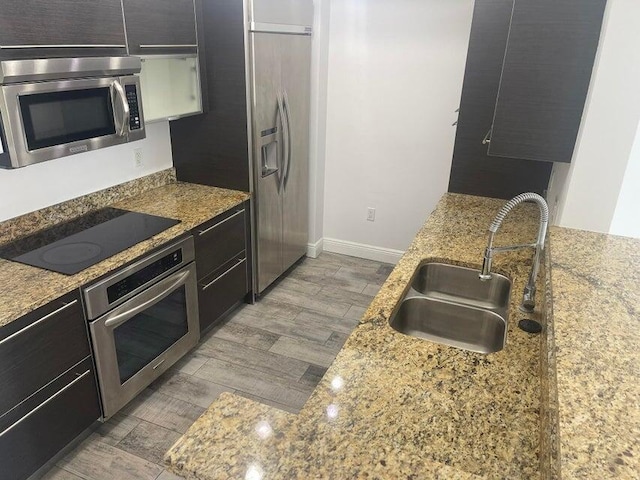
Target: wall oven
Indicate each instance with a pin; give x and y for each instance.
(52, 108)
(142, 319)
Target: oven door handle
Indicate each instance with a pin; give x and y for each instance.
(121, 96)
(168, 285)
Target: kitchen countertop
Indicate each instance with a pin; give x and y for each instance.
(394, 406)
(25, 288)
(596, 318)
(564, 403)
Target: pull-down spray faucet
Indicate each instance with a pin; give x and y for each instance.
(528, 300)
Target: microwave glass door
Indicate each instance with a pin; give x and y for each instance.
(144, 337)
(56, 118)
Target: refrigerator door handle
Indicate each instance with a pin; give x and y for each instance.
(287, 167)
(286, 140)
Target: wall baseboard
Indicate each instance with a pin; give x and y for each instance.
(315, 249)
(360, 250)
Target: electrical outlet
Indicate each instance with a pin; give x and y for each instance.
(138, 158)
(371, 214)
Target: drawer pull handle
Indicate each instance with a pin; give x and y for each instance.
(225, 273)
(95, 45)
(155, 367)
(202, 232)
(184, 45)
(51, 398)
(31, 325)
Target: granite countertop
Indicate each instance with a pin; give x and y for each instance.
(394, 406)
(25, 288)
(561, 404)
(596, 337)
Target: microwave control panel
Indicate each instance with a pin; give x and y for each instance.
(132, 99)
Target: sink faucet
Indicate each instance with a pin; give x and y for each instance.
(528, 300)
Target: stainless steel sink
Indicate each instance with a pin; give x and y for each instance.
(450, 305)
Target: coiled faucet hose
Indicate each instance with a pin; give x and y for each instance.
(517, 200)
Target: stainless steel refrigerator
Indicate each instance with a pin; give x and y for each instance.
(280, 61)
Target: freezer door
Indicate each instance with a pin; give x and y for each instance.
(296, 82)
(282, 12)
(268, 143)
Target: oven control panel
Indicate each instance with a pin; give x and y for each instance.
(134, 281)
(132, 99)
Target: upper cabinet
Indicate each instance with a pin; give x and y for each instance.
(54, 28)
(545, 78)
(526, 80)
(164, 34)
(160, 26)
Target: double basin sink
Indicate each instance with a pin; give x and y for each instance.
(450, 305)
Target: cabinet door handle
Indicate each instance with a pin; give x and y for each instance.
(225, 273)
(202, 232)
(31, 325)
(185, 45)
(43, 404)
(16, 47)
(487, 137)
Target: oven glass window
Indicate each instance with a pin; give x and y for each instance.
(142, 338)
(57, 118)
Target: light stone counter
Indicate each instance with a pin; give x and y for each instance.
(392, 406)
(24, 288)
(595, 283)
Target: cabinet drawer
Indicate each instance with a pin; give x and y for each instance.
(221, 290)
(219, 241)
(29, 441)
(39, 347)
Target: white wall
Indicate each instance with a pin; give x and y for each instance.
(37, 186)
(318, 122)
(626, 219)
(395, 80)
(587, 191)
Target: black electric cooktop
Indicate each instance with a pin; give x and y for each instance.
(72, 246)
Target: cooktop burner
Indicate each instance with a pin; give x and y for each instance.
(72, 246)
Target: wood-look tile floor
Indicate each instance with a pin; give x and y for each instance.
(274, 352)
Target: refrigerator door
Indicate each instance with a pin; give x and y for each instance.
(282, 12)
(296, 84)
(268, 140)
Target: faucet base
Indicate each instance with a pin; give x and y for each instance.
(526, 307)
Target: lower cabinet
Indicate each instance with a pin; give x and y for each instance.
(222, 290)
(32, 435)
(222, 264)
(48, 393)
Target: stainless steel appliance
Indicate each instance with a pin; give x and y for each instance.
(142, 320)
(51, 108)
(280, 61)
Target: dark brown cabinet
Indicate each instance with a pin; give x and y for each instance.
(53, 28)
(48, 392)
(160, 26)
(212, 148)
(222, 263)
(527, 102)
(473, 171)
(545, 78)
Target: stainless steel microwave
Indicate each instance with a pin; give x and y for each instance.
(51, 108)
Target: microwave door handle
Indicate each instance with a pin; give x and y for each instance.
(168, 285)
(121, 96)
